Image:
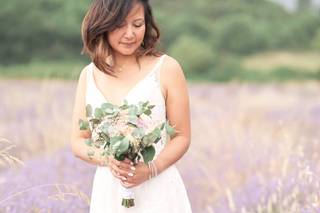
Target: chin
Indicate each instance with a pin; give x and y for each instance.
(127, 51)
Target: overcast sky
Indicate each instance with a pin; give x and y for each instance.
(291, 4)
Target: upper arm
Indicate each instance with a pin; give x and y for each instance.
(177, 97)
(79, 108)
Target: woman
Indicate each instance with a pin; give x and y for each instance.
(120, 36)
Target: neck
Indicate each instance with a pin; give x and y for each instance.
(121, 60)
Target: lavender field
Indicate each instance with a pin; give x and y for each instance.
(255, 148)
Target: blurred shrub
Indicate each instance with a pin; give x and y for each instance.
(239, 34)
(37, 28)
(227, 68)
(297, 31)
(316, 41)
(194, 54)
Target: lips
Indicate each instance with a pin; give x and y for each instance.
(128, 43)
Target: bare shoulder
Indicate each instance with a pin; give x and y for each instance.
(172, 71)
(83, 74)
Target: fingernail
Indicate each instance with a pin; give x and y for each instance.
(130, 174)
(133, 168)
(131, 163)
(124, 178)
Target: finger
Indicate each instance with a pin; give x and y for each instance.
(128, 161)
(123, 172)
(118, 176)
(124, 164)
(126, 184)
(126, 167)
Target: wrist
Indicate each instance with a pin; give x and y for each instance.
(153, 170)
(104, 162)
(158, 165)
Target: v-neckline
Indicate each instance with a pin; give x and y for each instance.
(130, 90)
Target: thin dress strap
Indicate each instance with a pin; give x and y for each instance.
(158, 71)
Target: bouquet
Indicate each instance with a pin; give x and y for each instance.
(125, 131)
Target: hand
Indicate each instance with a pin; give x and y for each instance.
(121, 169)
(140, 175)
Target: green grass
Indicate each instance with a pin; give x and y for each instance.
(40, 70)
(70, 70)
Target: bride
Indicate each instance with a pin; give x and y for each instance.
(120, 36)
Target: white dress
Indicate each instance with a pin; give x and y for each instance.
(164, 193)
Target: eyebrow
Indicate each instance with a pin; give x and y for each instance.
(138, 19)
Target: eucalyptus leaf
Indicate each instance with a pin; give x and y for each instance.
(162, 125)
(169, 129)
(98, 113)
(107, 106)
(105, 127)
(145, 104)
(115, 146)
(88, 141)
(124, 146)
(151, 106)
(149, 139)
(115, 139)
(88, 110)
(133, 120)
(133, 110)
(157, 132)
(148, 153)
(84, 125)
(138, 133)
(147, 112)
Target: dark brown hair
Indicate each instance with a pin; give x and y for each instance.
(104, 16)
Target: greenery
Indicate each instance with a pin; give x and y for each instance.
(208, 37)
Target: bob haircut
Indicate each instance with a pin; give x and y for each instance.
(104, 16)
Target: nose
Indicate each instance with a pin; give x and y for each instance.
(129, 34)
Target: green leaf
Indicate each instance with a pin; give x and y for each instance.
(157, 132)
(115, 139)
(107, 106)
(147, 112)
(88, 110)
(133, 120)
(124, 146)
(105, 127)
(145, 104)
(98, 113)
(162, 125)
(133, 110)
(151, 106)
(88, 142)
(149, 139)
(148, 154)
(169, 129)
(138, 133)
(84, 125)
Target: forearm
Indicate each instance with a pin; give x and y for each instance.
(81, 150)
(172, 152)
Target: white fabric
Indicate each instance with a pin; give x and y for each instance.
(165, 193)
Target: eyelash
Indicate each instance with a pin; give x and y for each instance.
(133, 25)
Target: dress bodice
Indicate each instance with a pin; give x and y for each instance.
(147, 89)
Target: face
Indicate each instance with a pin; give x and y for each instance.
(127, 38)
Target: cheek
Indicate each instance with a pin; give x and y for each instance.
(141, 33)
(113, 37)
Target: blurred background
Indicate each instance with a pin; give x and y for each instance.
(253, 70)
